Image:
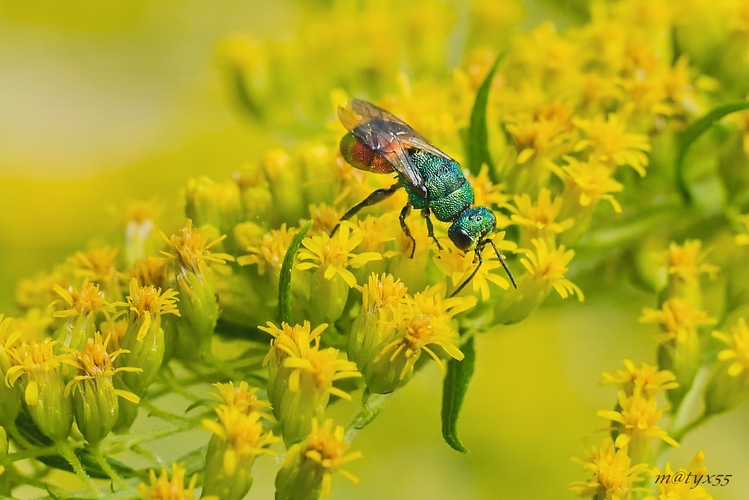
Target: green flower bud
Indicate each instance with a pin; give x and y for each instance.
(424, 321)
(196, 285)
(39, 371)
(306, 473)
(95, 399)
(215, 204)
(381, 297)
(81, 315)
(285, 185)
(301, 377)
(238, 437)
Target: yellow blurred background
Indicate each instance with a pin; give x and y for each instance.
(105, 101)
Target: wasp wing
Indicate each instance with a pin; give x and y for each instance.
(387, 135)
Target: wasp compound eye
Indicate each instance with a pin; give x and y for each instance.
(460, 238)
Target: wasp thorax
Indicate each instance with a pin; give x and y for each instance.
(471, 226)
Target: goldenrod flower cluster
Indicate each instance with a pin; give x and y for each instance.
(261, 290)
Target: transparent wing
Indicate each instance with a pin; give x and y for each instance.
(388, 136)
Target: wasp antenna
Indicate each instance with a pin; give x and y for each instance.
(504, 264)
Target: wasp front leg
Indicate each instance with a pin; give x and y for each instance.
(372, 199)
(402, 218)
(478, 250)
(426, 213)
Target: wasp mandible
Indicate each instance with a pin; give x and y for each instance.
(381, 143)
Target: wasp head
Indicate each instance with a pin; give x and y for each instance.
(471, 227)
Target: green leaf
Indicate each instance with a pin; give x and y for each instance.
(692, 133)
(284, 283)
(454, 389)
(477, 142)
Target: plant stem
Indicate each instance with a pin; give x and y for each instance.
(102, 461)
(372, 405)
(68, 454)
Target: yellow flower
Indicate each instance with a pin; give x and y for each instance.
(539, 219)
(687, 489)
(334, 255)
(685, 262)
(738, 348)
(162, 488)
(551, 266)
(147, 302)
(96, 363)
(588, 182)
(376, 231)
(243, 433)
(151, 271)
(190, 247)
(547, 132)
(424, 319)
(614, 476)
(324, 218)
(381, 294)
(307, 470)
(678, 318)
(89, 299)
(458, 267)
(270, 251)
(291, 341)
(487, 194)
(35, 360)
(242, 397)
(638, 418)
(608, 142)
(97, 264)
(648, 379)
(743, 238)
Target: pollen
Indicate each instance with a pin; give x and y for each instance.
(382, 293)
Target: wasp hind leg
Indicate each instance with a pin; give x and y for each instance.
(402, 218)
(372, 199)
(430, 228)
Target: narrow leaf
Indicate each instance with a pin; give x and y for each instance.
(284, 283)
(477, 142)
(692, 133)
(454, 390)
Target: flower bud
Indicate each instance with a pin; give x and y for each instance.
(301, 377)
(307, 470)
(196, 285)
(238, 437)
(39, 372)
(81, 315)
(424, 319)
(95, 399)
(215, 204)
(285, 185)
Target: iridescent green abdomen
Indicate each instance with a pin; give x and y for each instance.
(449, 191)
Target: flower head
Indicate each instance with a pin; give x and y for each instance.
(648, 379)
(89, 299)
(539, 220)
(334, 255)
(614, 476)
(686, 262)
(589, 183)
(146, 302)
(190, 248)
(162, 488)
(270, 251)
(681, 490)
(458, 266)
(738, 348)
(608, 142)
(243, 397)
(551, 266)
(678, 318)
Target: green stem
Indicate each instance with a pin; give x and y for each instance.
(167, 375)
(159, 413)
(68, 454)
(117, 444)
(372, 405)
(99, 457)
(32, 453)
(18, 437)
(148, 454)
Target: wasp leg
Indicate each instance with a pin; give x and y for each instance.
(479, 248)
(372, 199)
(430, 228)
(402, 218)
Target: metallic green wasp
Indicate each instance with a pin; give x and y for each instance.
(381, 143)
